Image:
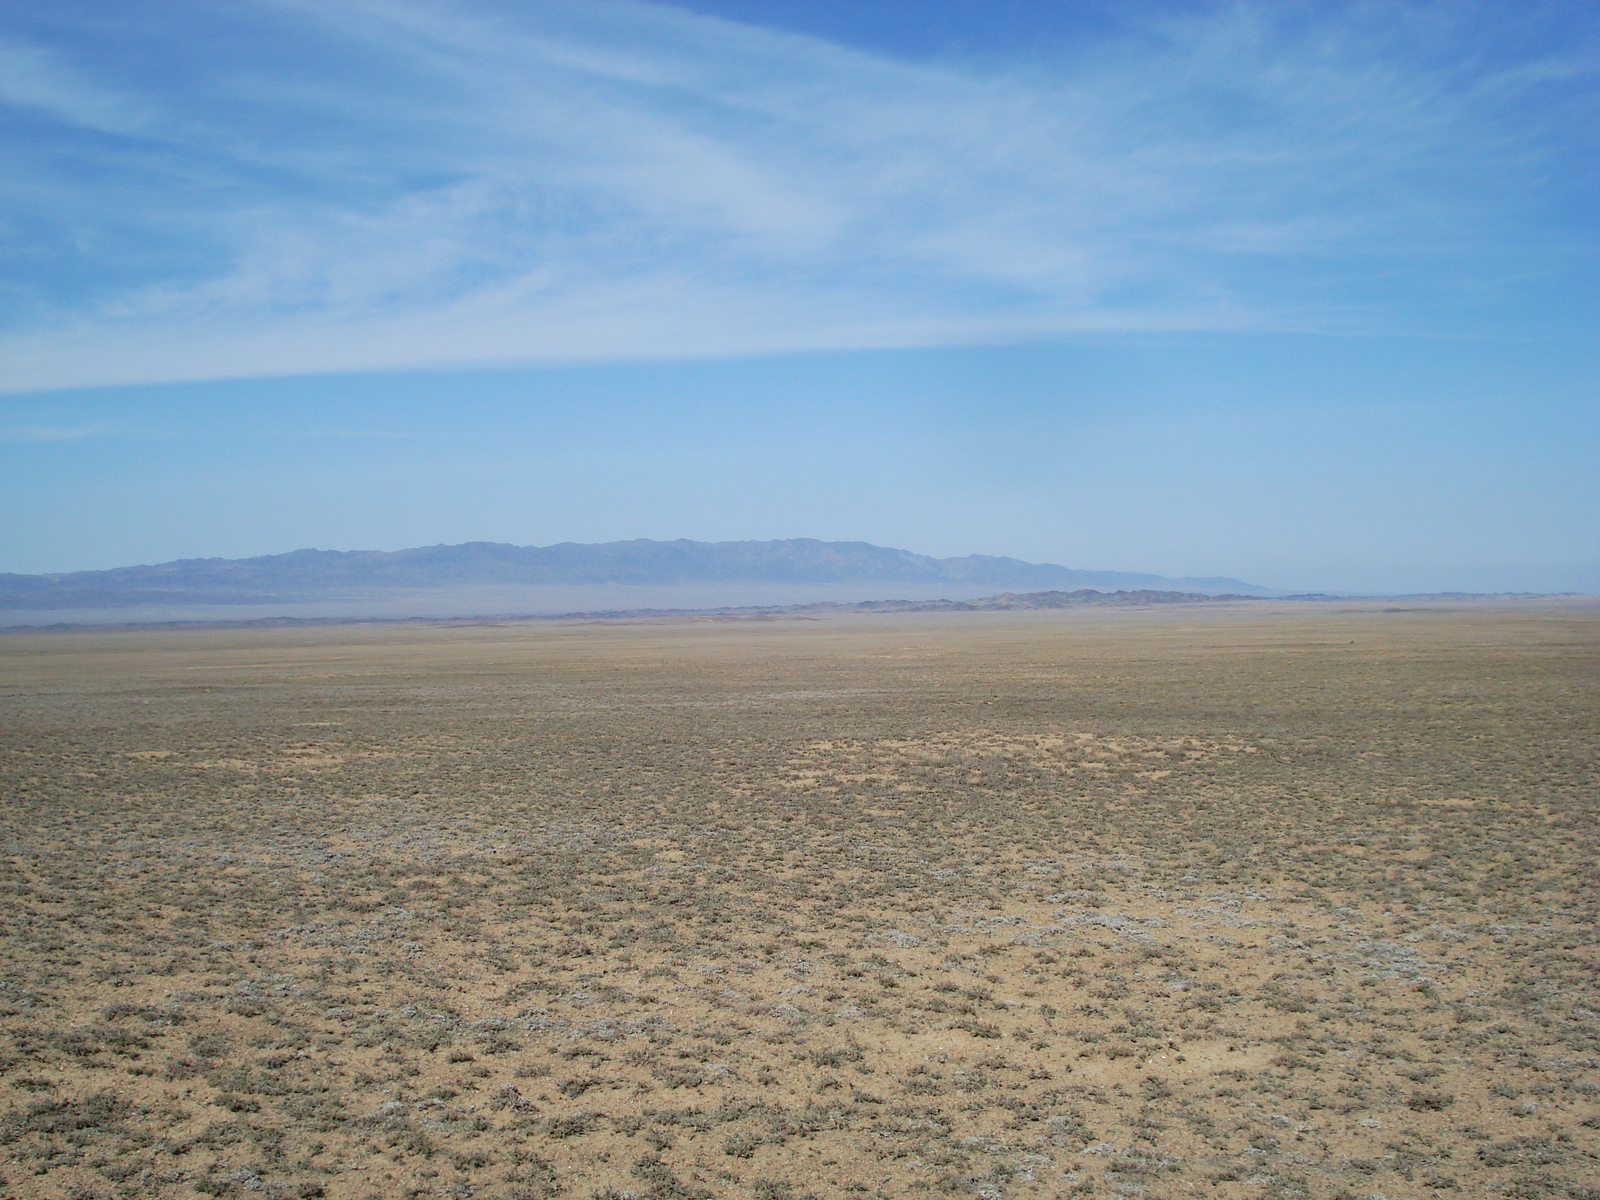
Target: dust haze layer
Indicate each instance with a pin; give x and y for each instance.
(612, 602)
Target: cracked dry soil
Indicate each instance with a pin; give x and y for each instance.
(1234, 901)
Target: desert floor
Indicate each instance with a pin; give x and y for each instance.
(1236, 900)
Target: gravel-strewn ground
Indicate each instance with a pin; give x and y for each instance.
(1233, 901)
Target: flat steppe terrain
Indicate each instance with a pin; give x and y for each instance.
(1234, 900)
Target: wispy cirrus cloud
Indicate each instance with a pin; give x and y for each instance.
(39, 78)
(55, 433)
(392, 183)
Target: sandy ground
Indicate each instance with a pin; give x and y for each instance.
(1235, 901)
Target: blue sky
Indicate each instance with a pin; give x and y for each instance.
(1303, 293)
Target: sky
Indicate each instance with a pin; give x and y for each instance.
(1301, 293)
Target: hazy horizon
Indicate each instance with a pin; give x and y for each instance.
(323, 550)
(1296, 294)
(802, 592)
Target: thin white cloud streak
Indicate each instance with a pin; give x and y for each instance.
(55, 433)
(35, 77)
(605, 180)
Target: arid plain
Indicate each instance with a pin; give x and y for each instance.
(1236, 900)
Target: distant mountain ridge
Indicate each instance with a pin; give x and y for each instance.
(302, 575)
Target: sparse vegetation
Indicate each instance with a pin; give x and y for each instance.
(977, 905)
